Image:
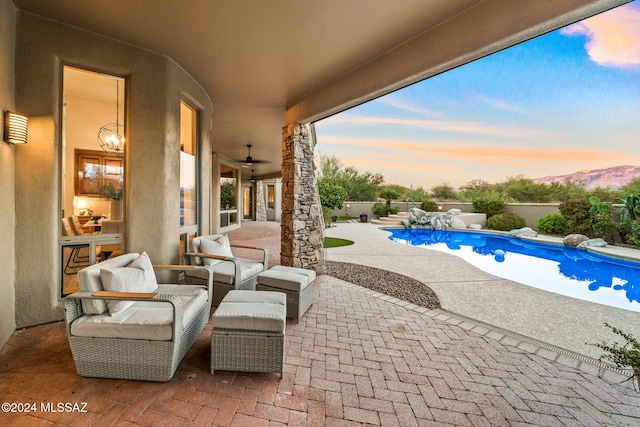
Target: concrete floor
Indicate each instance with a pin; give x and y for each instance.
(356, 358)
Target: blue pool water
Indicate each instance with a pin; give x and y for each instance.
(552, 267)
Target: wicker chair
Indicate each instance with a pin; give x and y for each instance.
(109, 354)
(229, 272)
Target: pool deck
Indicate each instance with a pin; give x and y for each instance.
(559, 321)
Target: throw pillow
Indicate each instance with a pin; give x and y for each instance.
(138, 276)
(220, 246)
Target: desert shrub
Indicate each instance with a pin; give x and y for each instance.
(489, 207)
(577, 214)
(505, 222)
(429, 206)
(553, 224)
(327, 213)
(632, 233)
(380, 209)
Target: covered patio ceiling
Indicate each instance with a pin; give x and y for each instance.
(269, 63)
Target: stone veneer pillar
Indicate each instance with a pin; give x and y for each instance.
(302, 221)
(261, 208)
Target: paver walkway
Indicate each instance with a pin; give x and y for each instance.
(356, 358)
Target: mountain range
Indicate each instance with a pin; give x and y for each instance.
(614, 177)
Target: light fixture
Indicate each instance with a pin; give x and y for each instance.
(111, 135)
(252, 178)
(82, 206)
(15, 128)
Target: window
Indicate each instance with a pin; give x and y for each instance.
(228, 195)
(91, 180)
(188, 195)
(271, 196)
(96, 169)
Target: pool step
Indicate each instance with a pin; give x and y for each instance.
(393, 219)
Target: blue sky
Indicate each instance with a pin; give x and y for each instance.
(563, 102)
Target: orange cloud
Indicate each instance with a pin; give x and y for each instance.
(613, 36)
(476, 152)
(475, 128)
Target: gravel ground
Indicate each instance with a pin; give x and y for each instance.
(385, 282)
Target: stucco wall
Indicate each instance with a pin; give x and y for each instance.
(155, 85)
(529, 211)
(7, 207)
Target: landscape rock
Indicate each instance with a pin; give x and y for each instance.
(595, 243)
(574, 239)
(416, 214)
(457, 223)
(454, 211)
(523, 232)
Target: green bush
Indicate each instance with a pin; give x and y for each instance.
(632, 235)
(505, 222)
(327, 213)
(380, 209)
(553, 224)
(577, 214)
(488, 207)
(429, 206)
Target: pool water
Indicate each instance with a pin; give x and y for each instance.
(552, 267)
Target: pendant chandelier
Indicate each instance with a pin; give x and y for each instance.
(111, 135)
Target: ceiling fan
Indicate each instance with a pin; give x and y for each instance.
(248, 161)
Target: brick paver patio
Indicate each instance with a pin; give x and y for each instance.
(356, 358)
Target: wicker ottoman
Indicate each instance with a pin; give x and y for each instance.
(297, 283)
(248, 332)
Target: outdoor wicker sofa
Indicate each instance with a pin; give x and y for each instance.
(229, 272)
(136, 335)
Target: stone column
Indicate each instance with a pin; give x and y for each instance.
(261, 208)
(302, 221)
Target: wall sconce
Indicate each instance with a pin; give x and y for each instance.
(440, 208)
(15, 128)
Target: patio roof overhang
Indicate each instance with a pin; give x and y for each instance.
(266, 64)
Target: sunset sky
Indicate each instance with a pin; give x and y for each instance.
(564, 102)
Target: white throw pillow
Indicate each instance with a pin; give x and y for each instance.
(138, 276)
(220, 246)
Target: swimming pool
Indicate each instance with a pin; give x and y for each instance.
(552, 267)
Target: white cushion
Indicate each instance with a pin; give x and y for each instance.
(252, 311)
(144, 320)
(220, 247)
(138, 276)
(89, 280)
(304, 271)
(283, 280)
(225, 272)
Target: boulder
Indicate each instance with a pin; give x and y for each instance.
(574, 239)
(418, 213)
(596, 243)
(523, 232)
(454, 211)
(457, 223)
